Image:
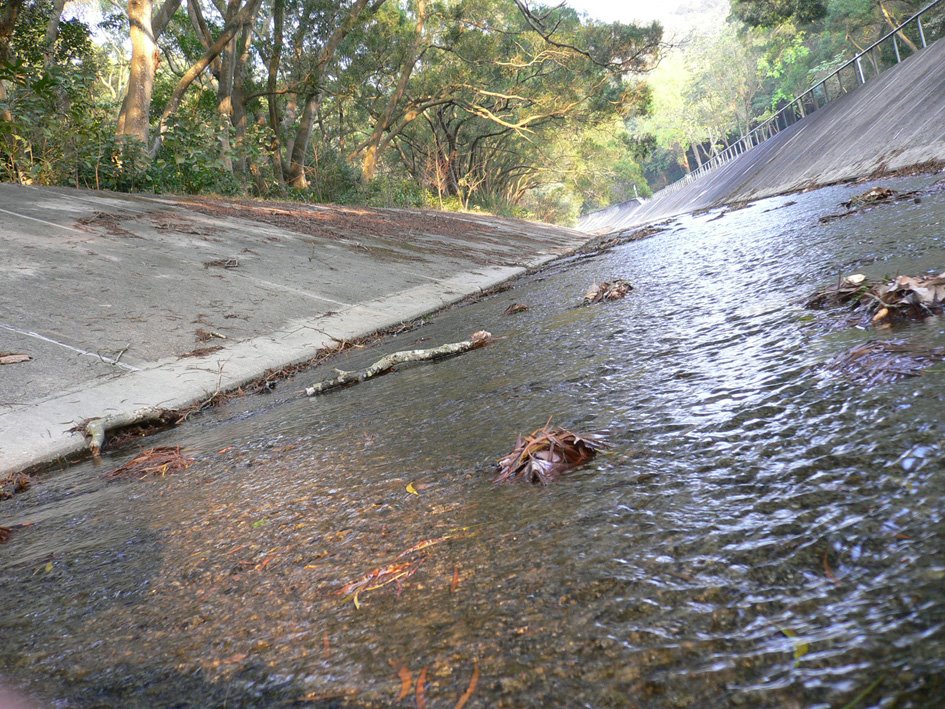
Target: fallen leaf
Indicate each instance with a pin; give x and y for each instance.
(801, 648)
(828, 572)
(421, 692)
(454, 584)
(406, 682)
(326, 645)
(154, 461)
(412, 490)
(13, 357)
(474, 680)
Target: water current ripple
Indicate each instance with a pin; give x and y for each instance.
(762, 532)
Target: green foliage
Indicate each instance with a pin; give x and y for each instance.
(771, 13)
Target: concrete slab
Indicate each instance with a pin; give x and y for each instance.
(893, 122)
(110, 294)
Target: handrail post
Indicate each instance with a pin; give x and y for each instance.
(921, 32)
(896, 47)
(859, 69)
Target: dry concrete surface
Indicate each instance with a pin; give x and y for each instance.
(114, 296)
(893, 122)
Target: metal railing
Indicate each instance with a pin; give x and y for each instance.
(892, 44)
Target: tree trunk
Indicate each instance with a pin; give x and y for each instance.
(8, 15)
(278, 24)
(295, 175)
(369, 162)
(246, 15)
(136, 108)
(893, 24)
(135, 115)
(52, 32)
(228, 61)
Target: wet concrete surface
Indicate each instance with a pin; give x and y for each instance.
(108, 293)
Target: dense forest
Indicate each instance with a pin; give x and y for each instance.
(508, 106)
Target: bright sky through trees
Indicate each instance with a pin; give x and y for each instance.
(626, 10)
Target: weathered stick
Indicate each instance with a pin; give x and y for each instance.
(478, 339)
(96, 428)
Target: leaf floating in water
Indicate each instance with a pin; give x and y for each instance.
(546, 453)
(154, 461)
(903, 298)
(411, 489)
(607, 290)
(515, 308)
(801, 648)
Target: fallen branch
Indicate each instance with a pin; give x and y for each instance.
(385, 364)
(96, 428)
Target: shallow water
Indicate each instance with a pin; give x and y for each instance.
(761, 533)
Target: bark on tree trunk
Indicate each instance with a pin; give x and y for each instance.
(52, 32)
(275, 124)
(135, 114)
(369, 162)
(295, 174)
(246, 15)
(8, 15)
(136, 108)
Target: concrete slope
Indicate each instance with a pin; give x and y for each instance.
(894, 121)
(117, 298)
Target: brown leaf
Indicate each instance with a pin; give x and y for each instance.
(454, 584)
(546, 453)
(515, 308)
(406, 682)
(154, 461)
(474, 680)
(607, 290)
(421, 692)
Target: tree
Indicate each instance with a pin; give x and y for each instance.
(770, 13)
(135, 115)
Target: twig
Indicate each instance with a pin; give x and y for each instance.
(344, 378)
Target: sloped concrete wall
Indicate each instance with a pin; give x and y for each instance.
(894, 121)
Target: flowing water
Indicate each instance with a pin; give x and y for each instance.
(762, 532)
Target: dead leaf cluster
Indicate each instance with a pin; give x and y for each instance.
(869, 199)
(885, 361)
(903, 298)
(402, 568)
(154, 461)
(546, 453)
(515, 308)
(12, 484)
(607, 290)
(873, 196)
